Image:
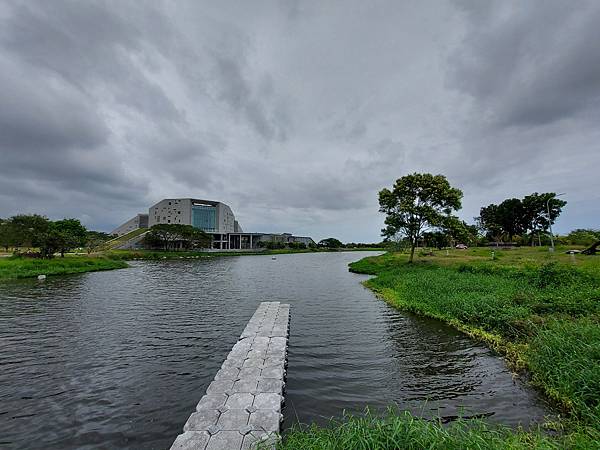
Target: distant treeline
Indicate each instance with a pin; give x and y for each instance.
(527, 218)
(419, 211)
(42, 237)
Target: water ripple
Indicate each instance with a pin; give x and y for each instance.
(119, 359)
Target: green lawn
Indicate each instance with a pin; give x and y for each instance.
(15, 267)
(402, 430)
(113, 243)
(541, 310)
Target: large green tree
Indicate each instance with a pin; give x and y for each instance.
(7, 233)
(512, 217)
(29, 229)
(535, 208)
(515, 217)
(175, 236)
(330, 243)
(69, 234)
(489, 222)
(417, 203)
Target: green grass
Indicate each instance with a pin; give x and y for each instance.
(402, 430)
(115, 242)
(15, 267)
(540, 309)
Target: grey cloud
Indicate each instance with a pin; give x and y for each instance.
(530, 64)
(41, 115)
(236, 91)
(296, 114)
(88, 44)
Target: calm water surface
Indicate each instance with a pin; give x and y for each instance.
(119, 359)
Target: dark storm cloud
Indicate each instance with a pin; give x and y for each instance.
(531, 63)
(36, 115)
(87, 43)
(294, 113)
(532, 73)
(63, 65)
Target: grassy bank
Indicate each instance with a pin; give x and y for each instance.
(402, 430)
(541, 310)
(15, 267)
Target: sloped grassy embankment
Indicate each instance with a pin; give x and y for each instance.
(540, 311)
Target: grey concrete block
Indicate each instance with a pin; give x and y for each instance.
(274, 361)
(219, 386)
(272, 372)
(255, 353)
(279, 332)
(233, 420)
(211, 401)
(225, 440)
(265, 420)
(278, 342)
(260, 438)
(245, 385)
(242, 344)
(249, 372)
(201, 420)
(270, 385)
(253, 362)
(276, 353)
(228, 373)
(240, 400)
(191, 440)
(268, 400)
(264, 332)
(233, 362)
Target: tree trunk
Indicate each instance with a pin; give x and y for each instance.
(412, 252)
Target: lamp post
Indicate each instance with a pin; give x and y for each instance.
(550, 220)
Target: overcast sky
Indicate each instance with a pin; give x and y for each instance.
(296, 113)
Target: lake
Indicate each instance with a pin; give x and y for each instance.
(119, 359)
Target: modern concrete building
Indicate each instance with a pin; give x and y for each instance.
(139, 221)
(208, 215)
(215, 218)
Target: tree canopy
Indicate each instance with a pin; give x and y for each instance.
(177, 236)
(330, 243)
(38, 233)
(417, 203)
(515, 216)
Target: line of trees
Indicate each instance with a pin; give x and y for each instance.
(527, 217)
(420, 207)
(581, 236)
(279, 245)
(175, 237)
(42, 237)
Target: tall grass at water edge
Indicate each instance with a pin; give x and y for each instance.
(541, 312)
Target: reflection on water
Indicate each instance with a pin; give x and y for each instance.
(118, 359)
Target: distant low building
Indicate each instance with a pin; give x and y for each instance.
(213, 217)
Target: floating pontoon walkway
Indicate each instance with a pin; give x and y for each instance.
(242, 406)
